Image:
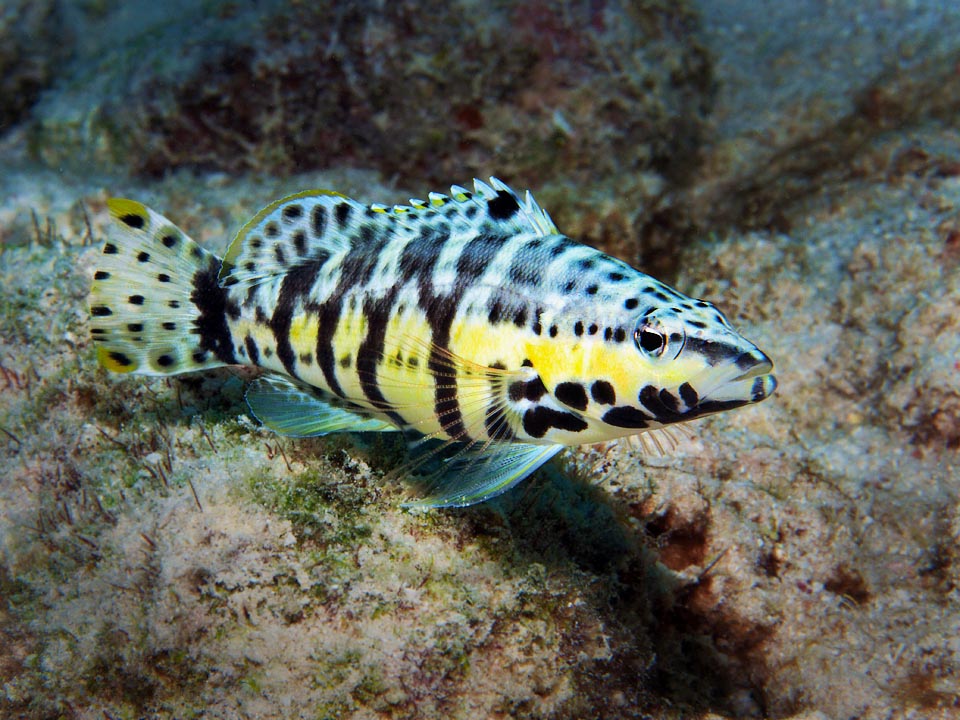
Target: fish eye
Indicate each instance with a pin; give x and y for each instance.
(650, 340)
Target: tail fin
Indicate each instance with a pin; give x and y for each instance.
(155, 305)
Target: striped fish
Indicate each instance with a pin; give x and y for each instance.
(466, 321)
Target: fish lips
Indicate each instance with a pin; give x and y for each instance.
(747, 380)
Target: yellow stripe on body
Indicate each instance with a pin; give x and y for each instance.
(620, 364)
(350, 332)
(478, 341)
(304, 329)
(409, 384)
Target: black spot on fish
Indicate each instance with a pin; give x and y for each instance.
(166, 360)
(346, 361)
(272, 230)
(625, 417)
(578, 328)
(169, 325)
(169, 241)
(619, 335)
(520, 317)
(602, 392)
(631, 303)
(306, 358)
(133, 220)
(651, 398)
(503, 206)
(135, 299)
(199, 357)
(109, 249)
(531, 390)
(689, 395)
(669, 401)
(175, 304)
(291, 213)
(539, 420)
(495, 313)
(300, 242)
(592, 289)
(120, 359)
(342, 214)
(253, 352)
(616, 276)
(592, 330)
(163, 277)
(572, 394)
(135, 327)
(143, 256)
(101, 275)
(279, 254)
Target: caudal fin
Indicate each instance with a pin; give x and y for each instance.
(156, 307)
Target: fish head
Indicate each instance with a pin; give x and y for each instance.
(698, 364)
(682, 361)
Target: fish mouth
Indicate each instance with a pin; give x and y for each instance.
(750, 381)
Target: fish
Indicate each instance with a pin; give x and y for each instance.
(466, 322)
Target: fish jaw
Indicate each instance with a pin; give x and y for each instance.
(745, 381)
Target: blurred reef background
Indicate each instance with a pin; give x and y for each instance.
(797, 163)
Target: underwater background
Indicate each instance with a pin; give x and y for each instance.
(796, 163)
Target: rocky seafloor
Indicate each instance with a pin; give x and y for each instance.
(162, 556)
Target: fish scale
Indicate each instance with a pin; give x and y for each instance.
(466, 321)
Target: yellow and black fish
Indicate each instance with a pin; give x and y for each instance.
(466, 321)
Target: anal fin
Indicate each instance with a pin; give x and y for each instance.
(472, 475)
(291, 409)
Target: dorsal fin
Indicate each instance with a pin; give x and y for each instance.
(489, 205)
(288, 233)
(297, 229)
